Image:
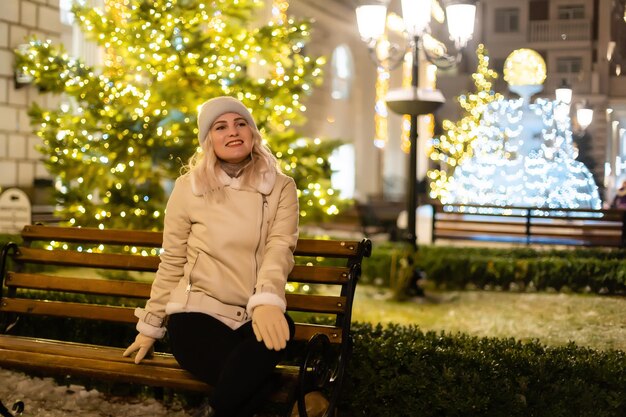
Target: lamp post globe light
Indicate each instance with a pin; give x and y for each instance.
(584, 113)
(584, 116)
(415, 101)
(563, 93)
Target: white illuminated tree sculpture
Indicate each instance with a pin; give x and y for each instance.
(523, 154)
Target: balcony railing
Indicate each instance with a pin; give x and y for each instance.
(559, 30)
(580, 83)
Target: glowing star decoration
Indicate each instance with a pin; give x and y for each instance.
(524, 67)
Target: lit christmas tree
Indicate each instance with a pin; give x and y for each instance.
(453, 147)
(123, 131)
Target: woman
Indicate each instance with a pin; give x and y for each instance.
(231, 226)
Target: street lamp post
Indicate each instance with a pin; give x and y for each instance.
(415, 101)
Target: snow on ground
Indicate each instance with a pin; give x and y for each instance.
(43, 397)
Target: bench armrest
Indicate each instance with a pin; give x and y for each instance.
(320, 368)
(4, 260)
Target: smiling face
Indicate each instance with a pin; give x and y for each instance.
(232, 138)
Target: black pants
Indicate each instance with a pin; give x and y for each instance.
(232, 361)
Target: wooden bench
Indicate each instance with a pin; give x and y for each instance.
(58, 272)
(572, 227)
(380, 216)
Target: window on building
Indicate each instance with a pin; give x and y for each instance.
(65, 12)
(571, 12)
(342, 66)
(342, 162)
(538, 10)
(569, 65)
(507, 20)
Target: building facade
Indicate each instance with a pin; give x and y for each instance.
(583, 43)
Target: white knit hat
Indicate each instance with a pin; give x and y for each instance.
(211, 109)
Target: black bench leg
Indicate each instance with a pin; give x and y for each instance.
(18, 407)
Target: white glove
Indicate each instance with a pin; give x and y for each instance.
(143, 345)
(270, 326)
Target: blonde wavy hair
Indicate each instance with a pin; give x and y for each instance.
(204, 164)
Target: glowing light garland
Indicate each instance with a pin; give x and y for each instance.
(449, 150)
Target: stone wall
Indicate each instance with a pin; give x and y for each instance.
(20, 162)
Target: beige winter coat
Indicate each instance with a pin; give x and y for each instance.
(223, 258)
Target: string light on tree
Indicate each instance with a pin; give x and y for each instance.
(451, 148)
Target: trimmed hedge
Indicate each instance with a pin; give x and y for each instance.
(520, 268)
(4, 239)
(400, 371)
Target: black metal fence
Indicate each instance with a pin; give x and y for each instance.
(530, 225)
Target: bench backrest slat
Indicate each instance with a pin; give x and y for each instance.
(79, 285)
(125, 315)
(320, 274)
(307, 274)
(316, 303)
(326, 248)
(296, 302)
(69, 309)
(304, 247)
(89, 260)
(81, 235)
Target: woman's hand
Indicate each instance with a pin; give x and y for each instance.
(270, 326)
(143, 345)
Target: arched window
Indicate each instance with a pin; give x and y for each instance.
(342, 66)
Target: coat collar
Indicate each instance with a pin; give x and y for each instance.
(263, 183)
